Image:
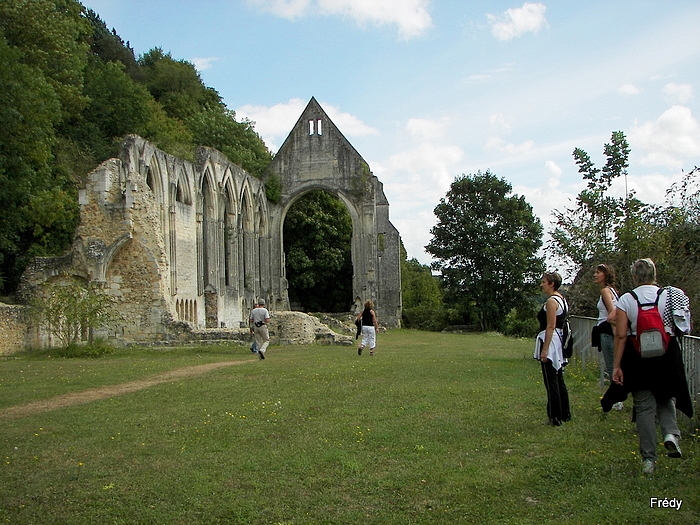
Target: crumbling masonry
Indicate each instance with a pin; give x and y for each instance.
(181, 244)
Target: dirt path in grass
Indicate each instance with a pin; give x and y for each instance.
(104, 392)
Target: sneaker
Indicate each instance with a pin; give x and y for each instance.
(359, 351)
(618, 406)
(671, 444)
(261, 355)
(648, 466)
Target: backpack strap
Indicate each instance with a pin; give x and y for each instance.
(564, 305)
(655, 303)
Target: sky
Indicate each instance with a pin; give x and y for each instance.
(427, 91)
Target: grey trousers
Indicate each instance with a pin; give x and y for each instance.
(647, 410)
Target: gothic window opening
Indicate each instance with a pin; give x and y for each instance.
(149, 178)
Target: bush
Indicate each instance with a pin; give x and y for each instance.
(430, 318)
(71, 310)
(520, 323)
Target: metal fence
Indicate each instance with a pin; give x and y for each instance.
(590, 356)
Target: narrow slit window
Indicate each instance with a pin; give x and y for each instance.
(319, 129)
(311, 127)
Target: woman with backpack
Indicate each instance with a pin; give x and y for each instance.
(648, 361)
(549, 349)
(604, 276)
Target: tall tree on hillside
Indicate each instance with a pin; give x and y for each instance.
(52, 36)
(43, 53)
(109, 47)
(217, 127)
(485, 244)
(176, 85)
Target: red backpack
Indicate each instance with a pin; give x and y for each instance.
(652, 338)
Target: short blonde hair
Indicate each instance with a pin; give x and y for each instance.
(369, 304)
(643, 272)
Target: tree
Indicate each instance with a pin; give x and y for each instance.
(422, 297)
(216, 127)
(588, 231)
(317, 247)
(485, 244)
(616, 231)
(71, 310)
(52, 36)
(176, 85)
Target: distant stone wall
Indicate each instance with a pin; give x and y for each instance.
(13, 328)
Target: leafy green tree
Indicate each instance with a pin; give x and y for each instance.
(71, 310)
(422, 296)
(176, 85)
(109, 47)
(29, 109)
(485, 244)
(52, 37)
(317, 247)
(216, 127)
(588, 231)
(616, 231)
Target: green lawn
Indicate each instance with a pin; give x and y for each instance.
(434, 429)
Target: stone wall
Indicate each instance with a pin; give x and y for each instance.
(13, 328)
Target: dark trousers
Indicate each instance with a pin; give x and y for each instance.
(557, 395)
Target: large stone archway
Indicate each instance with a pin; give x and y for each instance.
(316, 156)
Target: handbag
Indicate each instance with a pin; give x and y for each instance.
(595, 337)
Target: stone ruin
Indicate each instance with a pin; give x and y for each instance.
(184, 247)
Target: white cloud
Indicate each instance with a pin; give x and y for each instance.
(529, 18)
(500, 123)
(629, 89)
(556, 171)
(274, 123)
(669, 140)
(427, 129)
(499, 145)
(411, 17)
(415, 180)
(289, 9)
(202, 64)
(678, 93)
(349, 125)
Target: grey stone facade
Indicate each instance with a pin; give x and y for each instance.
(178, 243)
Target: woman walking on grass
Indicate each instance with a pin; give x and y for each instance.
(370, 325)
(549, 349)
(658, 383)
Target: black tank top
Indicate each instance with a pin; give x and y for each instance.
(367, 317)
(542, 315)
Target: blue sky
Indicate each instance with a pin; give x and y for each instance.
(429, 90)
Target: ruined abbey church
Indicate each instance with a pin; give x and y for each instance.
(178, 243)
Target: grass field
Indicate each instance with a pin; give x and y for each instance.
(434, 429)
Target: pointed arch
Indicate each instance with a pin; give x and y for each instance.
(230, 237)
(207, 215)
